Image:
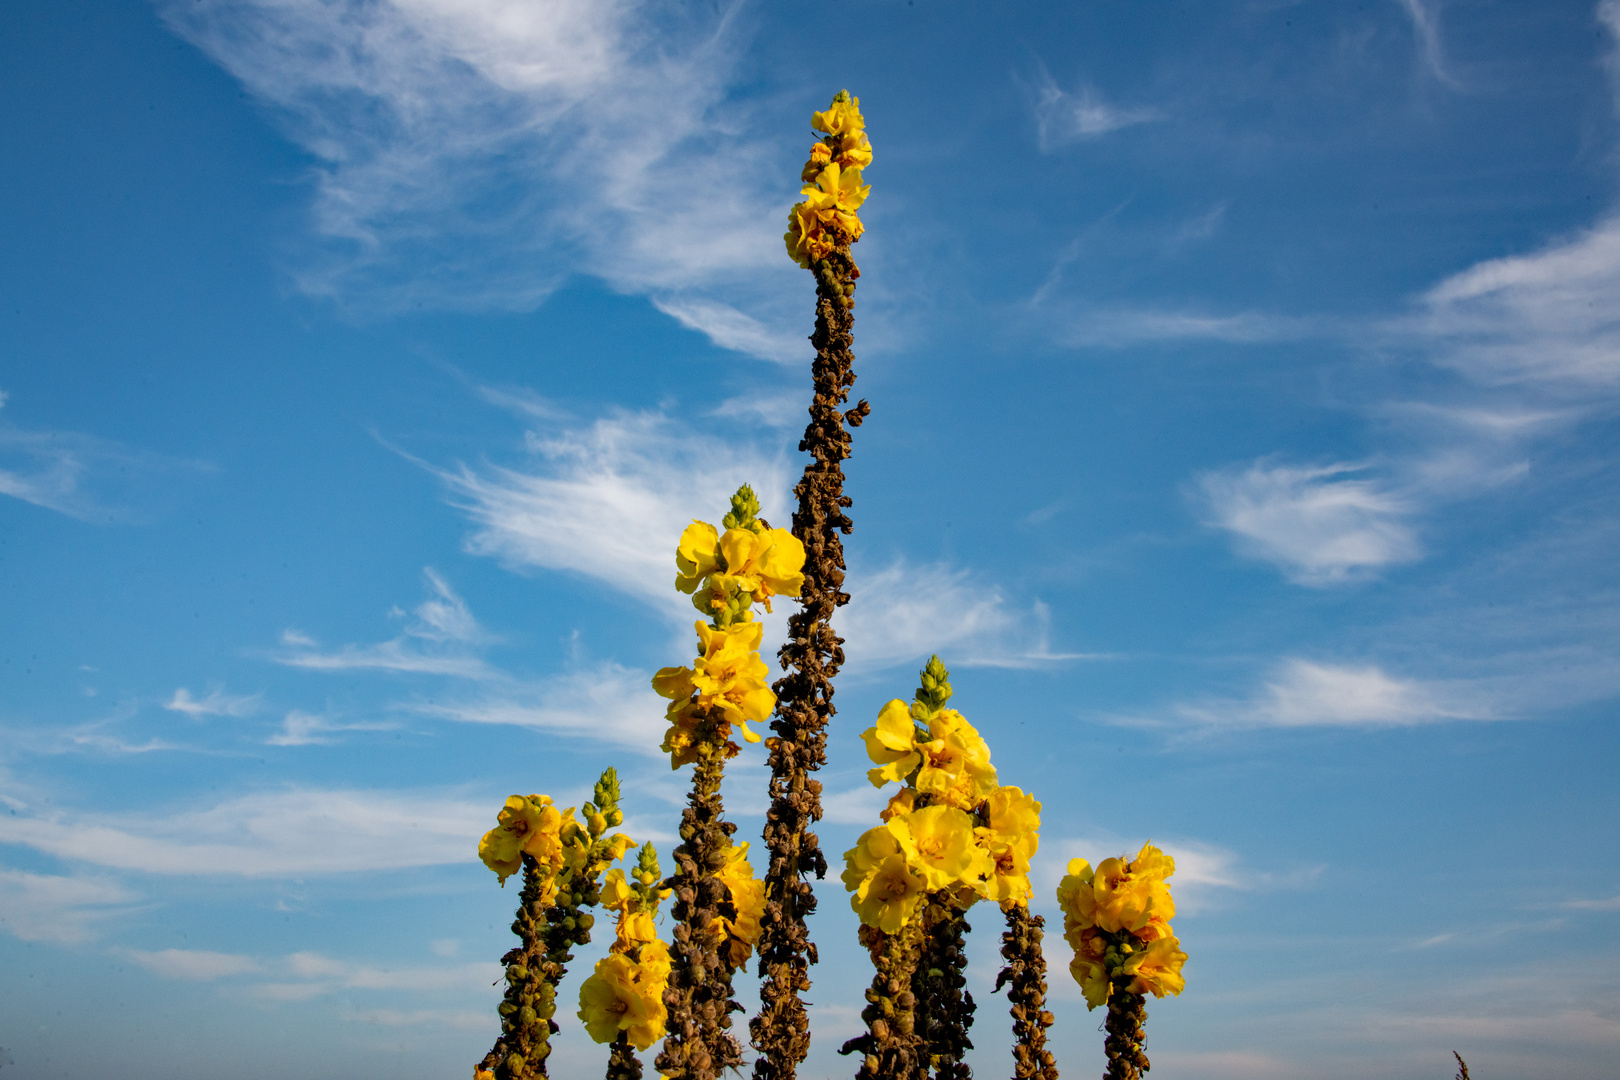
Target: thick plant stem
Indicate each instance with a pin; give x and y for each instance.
(892, 1047)
(1126, 1015)
(811, 657)
(944, 1009)
(699, 1045)
(622, 1061)
(533, 971)
(1025, 979)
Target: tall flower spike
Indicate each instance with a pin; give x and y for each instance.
(717, 902)
(818, 240)
(1117, 919)
(562, 863)
(622, 1003)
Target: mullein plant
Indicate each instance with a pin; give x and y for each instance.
(821, 228)
(718, 903)
(1117, 919)
(562, 862)
(951, 836)
(622, 1003)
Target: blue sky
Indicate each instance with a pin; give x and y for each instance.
(1244, 382)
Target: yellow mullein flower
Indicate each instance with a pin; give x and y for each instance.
(1155, 968)
(696, 556)
(820, 154)
(680, 741)
(835, 196)
(747, 895)
(1011, 839)
(842, 117)
(903, 801)
(764, 564)
(956, 761)
(655, 965)
(807, 239)
(887, 890)
(635, 930)
(730, 676)
(1077, 897)
(615, 890)
(1089, 968)
(1131, 894)
(483, 1074)
(854, 151)
(611, 1001)
(938, 842)
(892, 744)
(526, 826)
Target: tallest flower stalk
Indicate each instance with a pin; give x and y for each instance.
(821, 229)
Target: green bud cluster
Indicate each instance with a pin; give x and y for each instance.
(644, 881)
(934, 692)
(744, 511)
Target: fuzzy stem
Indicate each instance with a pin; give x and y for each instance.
(811, 657)
(1026, 972)
(1127, 1013)
(699, 1045)
(533, 971)
(892, 1047)
(944, 1009)
(622, 1061)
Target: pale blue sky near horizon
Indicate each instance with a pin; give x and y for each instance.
(1244, 383)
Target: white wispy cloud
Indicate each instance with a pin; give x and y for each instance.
(1123, 326)
(1063, 116)
(1544, 318)
(1611, 904)
(905, 611)
(607, 702)
(1305, 693)
(194, 965)
(49, 907)
(1322, 525)
(439, 638)
(1425, 17)
(302, 976)
(315, 974)
(277, 833)
(217, 703)
(608, 499)
(79, 475)
(459, 1019)
(299, 728)
(478, 152)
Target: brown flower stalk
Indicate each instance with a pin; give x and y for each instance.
(1127, 1012)
(892, 1048)
(811, 657)
(1025, 979)
(534, 969)
(944, 1009)
(699, 1044)
(622, 1061)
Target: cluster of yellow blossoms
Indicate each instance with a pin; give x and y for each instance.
(1117, 918)
(560, 846)
(747, 899)
(626, 991)
(953, 828)
(725, 574)
(833, 191)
